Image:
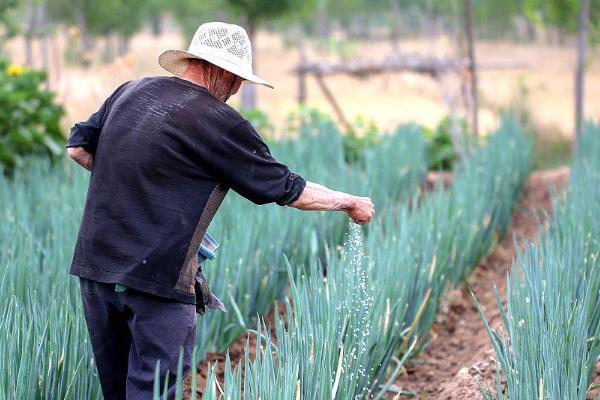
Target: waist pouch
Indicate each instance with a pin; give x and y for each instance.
(204, 297)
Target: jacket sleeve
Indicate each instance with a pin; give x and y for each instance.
(86, 134)
(242, 160)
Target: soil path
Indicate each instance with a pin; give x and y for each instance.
(459, 348)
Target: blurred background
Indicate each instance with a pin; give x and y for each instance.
(367, 65)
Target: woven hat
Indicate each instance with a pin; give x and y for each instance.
(224, 45)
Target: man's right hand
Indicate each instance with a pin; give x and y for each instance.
(316, 197)
(361, 212)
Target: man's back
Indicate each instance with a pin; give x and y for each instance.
(165, 150)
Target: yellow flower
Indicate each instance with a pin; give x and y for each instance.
(15, 70)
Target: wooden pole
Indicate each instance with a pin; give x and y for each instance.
(248, 92)
(302, 75)
(334, 104)
(584, 13)
(468, 14)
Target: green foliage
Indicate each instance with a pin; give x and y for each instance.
(563, 14)
(99, 17)
(8, 25)
(251, 13)
(43, 334)
(191, 13)
(551, 340)
(550, 151)
(364, 135)
(440, 149)
(259, 11)
(43, 340)
(339, 338)
(260, 120)
(29, 116)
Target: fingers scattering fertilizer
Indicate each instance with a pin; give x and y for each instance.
(360, 303)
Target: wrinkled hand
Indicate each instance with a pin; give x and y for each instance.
(362, 210)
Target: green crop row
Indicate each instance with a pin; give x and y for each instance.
(250, 270)
(350, 330)
(551, 337)
(43, 340)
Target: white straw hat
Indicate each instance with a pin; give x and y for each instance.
(224, 45)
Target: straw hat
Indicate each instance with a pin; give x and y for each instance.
(224, 45)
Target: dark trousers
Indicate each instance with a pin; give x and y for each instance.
(129, 332)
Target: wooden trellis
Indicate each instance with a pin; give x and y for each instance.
(434, 67)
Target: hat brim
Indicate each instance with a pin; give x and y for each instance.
(177, 61)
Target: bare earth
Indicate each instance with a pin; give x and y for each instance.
(459, 349)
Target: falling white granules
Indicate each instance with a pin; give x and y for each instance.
(357, 305)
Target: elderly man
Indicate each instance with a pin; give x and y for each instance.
(163, 151)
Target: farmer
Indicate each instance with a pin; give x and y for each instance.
(163, 151)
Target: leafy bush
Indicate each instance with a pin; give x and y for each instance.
(440, 149)
(259, 120)
(29, 116)
(364, 135)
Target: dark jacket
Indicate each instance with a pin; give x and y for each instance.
(165, 153)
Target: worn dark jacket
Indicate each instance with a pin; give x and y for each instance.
(165, 154)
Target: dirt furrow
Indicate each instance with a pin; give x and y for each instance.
(459, 349)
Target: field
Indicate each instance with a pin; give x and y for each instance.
(479, 282)
(383, 307)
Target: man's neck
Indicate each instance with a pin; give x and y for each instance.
(193, 76)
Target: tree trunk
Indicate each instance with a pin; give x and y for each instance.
(30, 34)
(109, 50)
(85, 49)
(156, 24)
(302, 76)
(27, 42)
(56, 58)
(394, 25)
(431, 31)
(584, 13)
(468, 12)
(322, 25)
(248, 91)
(45, 40)
(123, 45)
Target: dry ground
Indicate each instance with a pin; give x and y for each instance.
(387, 99)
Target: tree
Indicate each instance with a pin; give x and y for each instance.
(468, 12)
(95, 18)
(189, 13)
(584, 15)
(253, 14)
(570, 17)
(8, 27)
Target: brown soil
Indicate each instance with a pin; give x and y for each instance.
(458, 349)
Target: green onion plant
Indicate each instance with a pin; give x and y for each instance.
(549, 342)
